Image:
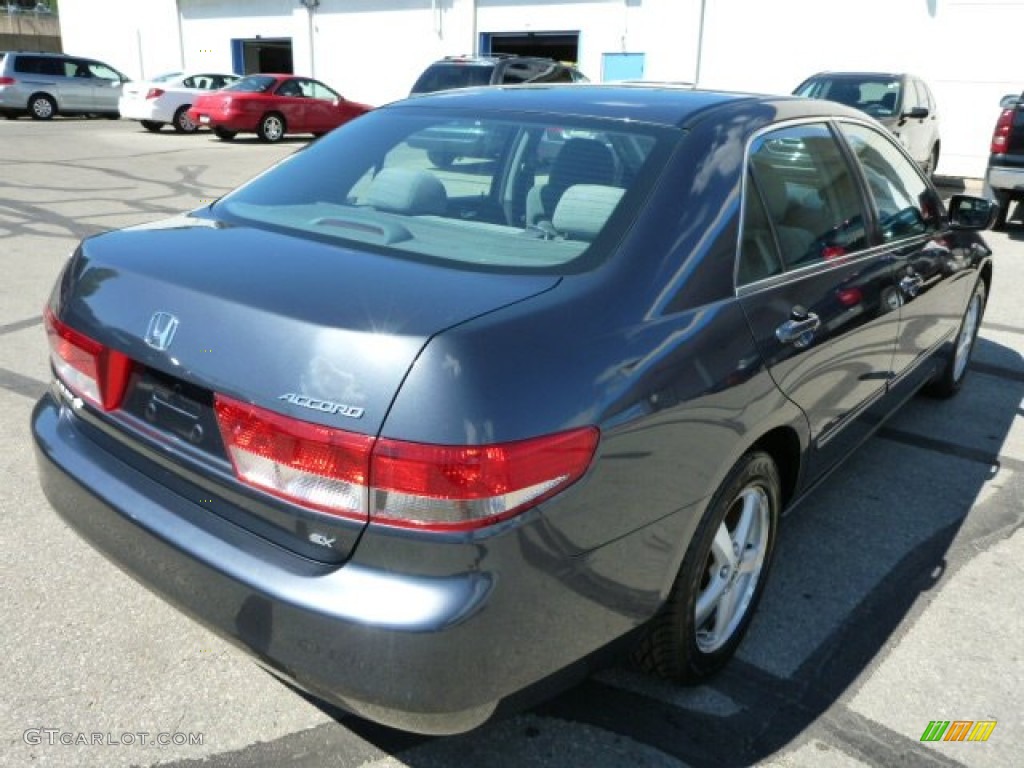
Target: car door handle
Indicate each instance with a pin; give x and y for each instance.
(793, 329)
(911, 284)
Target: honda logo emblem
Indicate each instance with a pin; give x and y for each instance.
(160, 332)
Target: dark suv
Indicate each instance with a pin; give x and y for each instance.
(1004, 177)
(457, 141)
(494, 69)
(902, 103)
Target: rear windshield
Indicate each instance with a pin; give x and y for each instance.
(482, 192)
(444, 77)
(878, 96)
(252, 84)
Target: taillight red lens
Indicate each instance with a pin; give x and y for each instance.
(155, 93)
(7, 81)
(412, 485)
(1001, 135)
(90, 370)
(318, 467)
(462, 487)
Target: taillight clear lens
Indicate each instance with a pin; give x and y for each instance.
(462, 487)
(1001, 135)
(154, 93)
(317, 467)
(90, 370)
(412, 485)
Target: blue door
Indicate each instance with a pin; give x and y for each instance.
(622, 66)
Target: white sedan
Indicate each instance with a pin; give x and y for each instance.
(166, 98)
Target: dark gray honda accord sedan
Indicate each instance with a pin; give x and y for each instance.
(419, 439)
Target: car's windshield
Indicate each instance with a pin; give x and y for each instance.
(252, 84)
(491, 192)
(879, 96)
(446, 76)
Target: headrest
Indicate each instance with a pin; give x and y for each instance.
(400, 190)
(584, 209)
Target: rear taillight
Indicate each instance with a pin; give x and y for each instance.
(7, 81)
(155, 93)
(86, 367)
(1001, 135)
(411, 485)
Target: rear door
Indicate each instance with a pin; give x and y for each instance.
(821, 304)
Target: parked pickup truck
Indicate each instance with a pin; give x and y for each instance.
(1004, 177)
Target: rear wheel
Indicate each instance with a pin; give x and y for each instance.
(152, 125)
(181, 121)
(42, 107)
(721, 578)
(951, 378)
(223, 134)
(1005, 202)
(271, 127)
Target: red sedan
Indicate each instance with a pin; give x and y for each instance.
(272, 105)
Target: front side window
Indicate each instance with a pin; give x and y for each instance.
(906, 205)
(484, 191)
(808, 194)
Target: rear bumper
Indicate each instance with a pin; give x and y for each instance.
(1004, 179)
(139, 109)
(432, 653)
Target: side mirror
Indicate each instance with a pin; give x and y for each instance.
(971, 213)
(917, 113)
(1009, 101)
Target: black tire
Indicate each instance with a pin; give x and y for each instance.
(679, 646)
(272, 127)
(42, 107)
(441, 159)
(1005, 202)
(932, 162)
(152, 125)
(224, 134)
(181, 121)
(951, 378)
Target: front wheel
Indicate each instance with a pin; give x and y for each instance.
(271, 128)
(932, 162)
(152, 125)
(721, 578)
(223, 134)
(949, 380)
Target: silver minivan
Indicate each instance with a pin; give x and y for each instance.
(42, 85)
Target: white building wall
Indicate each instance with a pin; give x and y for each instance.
(372, 50)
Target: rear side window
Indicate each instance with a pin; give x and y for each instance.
(39, 65)
(906, 205)
(445, 76)
(533, 194)
(808, 194)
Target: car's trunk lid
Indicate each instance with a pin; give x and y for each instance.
(317, 332)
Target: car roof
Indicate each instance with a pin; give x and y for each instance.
(655, 103)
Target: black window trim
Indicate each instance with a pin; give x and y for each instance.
(875, 246)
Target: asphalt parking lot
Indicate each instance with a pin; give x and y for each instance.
(895, 599)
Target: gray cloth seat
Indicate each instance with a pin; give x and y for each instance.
(580, 161)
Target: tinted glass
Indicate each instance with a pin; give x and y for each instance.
(759, 255)
(253, 84)
(906, 204)
(40, 65)
(809, 194)
(447, 75)
(374, 183)
(878, 96)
